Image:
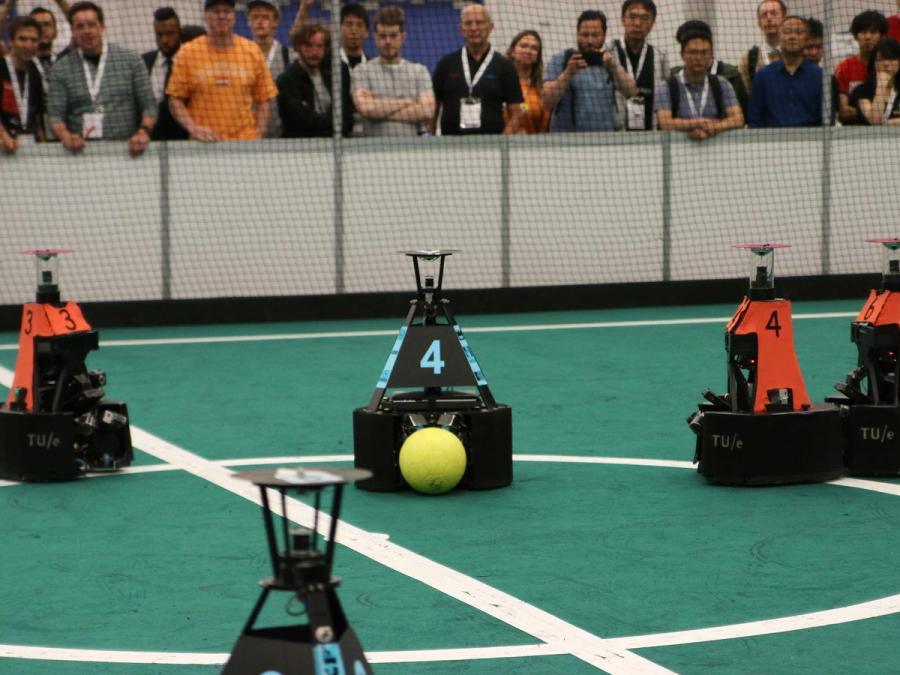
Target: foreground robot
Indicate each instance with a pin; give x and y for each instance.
(56, 424)
(764, 430)
(321, 640)
(870, 394)
(432, 354)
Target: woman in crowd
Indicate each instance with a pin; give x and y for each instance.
(877, 98)
(527, 53)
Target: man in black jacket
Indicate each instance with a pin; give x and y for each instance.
(167, 28)
(305, 91)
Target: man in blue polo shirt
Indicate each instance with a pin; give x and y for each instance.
(788, 93)
(580, 84)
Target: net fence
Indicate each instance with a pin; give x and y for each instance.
(590, 201)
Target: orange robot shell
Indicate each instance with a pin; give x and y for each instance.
(776, 365)
(882, 308)
(42, 320)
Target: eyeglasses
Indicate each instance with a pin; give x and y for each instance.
(698, 52)
(639, 18)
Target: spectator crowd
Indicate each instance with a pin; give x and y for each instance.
(210, 84)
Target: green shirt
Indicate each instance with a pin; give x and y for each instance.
(124, 97)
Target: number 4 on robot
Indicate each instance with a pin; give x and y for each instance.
(432, 358)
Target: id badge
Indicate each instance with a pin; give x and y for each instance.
(636, 113)
(470, 113)
(92, 126)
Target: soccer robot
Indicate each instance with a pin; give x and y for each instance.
(870, 395)
(321, 641)
(56, 423)
(764, 430)
(432, 355)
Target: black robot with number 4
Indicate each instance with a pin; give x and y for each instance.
(56, 423)
(435, 381)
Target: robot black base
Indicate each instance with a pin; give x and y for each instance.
(53, 446)
(291, 650)
(771, 449)
(873, 433)
(487, 437)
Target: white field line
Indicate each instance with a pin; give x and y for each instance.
(523, 616)
(873, 485)
(829, 617)
(218, 659)
(527, 618)
(383, 333)
(315, 459)
(866, 610)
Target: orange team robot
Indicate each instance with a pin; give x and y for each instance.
(873, 410)
(764, 430)
(56, 424)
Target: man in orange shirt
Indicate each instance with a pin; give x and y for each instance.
(220, 88)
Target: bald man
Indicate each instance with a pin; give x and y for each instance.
(474, 85)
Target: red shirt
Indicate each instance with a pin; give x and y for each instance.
(894, 26)
(849, 73)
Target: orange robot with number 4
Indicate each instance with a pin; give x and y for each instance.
(56, 423)
(764, 430)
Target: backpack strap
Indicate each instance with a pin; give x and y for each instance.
(568, 55)
(716, 88)
(285, 55)
(620, 52)
(674, 94)
(752, 61)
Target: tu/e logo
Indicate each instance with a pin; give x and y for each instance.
(44, 441)
(882, 434)
(727, 441)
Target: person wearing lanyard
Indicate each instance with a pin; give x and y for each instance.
(474, 86)
(167, 28)
(788, 93)
(726, 70)
(580, 85)
(100, 91)
(877, 99)
(47, 25)
(769, 17)
(22, 96)
(696, 101)
(262, 17)
(647, 64)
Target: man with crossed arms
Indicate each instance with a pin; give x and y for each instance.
(393, 95)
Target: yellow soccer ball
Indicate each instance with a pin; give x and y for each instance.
(432, 460)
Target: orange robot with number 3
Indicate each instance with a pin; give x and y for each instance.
(765, 430)
(56, 423)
